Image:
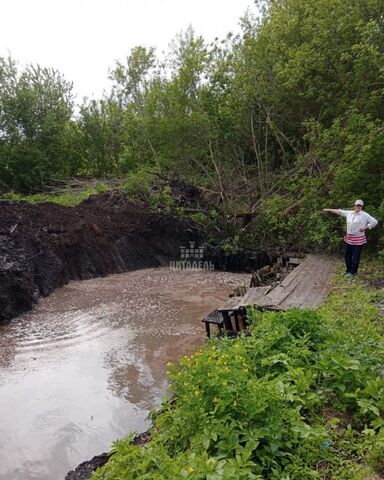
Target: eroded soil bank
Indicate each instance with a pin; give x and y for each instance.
(43, 246)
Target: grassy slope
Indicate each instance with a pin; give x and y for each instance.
(301, 398)
(67, 199)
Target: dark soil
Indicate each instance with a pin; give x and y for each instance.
(44, 245)
(242, 261)
(84, 470)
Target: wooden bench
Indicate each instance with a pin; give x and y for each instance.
(229, 308)
(213, 318)
(234, 307)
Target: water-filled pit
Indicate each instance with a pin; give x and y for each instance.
(87, 363)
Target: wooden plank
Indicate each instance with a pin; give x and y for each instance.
(295, 261)
(232, 304)
(305, 287)
(306, 293)
(214, 317)
(290, 283)
(311, 285)
(254, 296)
(299, 287)
(321, 284)
(296, 272)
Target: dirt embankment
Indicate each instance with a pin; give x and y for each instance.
(85, 470)
(43, 246)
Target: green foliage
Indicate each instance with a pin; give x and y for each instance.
(101, 125)
(200, 218)
(230, 245)
(37, 136)
(65, 199)
(141, 186)
(301, 398)
(138, 184)
(279, 121)
(344, 161)
(284, 120)
(162, 200)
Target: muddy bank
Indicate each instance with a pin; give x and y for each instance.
(43, 246)
(84, 470)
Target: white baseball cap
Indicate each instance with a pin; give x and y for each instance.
(359, 202)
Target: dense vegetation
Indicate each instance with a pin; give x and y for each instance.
(274, 123)
(271, 125)
(298, 399)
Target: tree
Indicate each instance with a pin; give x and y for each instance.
(36, 107)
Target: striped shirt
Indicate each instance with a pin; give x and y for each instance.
(355, 239)
(356, 220)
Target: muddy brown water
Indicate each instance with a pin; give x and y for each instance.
(85, 366)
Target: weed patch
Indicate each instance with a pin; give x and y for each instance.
(301, 397)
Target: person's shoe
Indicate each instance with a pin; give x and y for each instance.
(349, 275)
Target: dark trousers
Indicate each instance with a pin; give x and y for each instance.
(352, 257)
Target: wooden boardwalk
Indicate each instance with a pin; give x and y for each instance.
(306, 286)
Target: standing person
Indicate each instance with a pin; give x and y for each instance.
(357, 222)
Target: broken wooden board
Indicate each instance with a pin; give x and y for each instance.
(254, 296)
(305, 287)
(232, 304)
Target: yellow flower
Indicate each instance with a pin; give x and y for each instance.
(245, 370)
(169, 364)
(190, 469)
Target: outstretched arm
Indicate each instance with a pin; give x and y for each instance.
(336, 211)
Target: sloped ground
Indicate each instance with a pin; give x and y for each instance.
(43, 246)
(85, 470)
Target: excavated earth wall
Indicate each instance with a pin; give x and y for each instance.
(44, 245)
